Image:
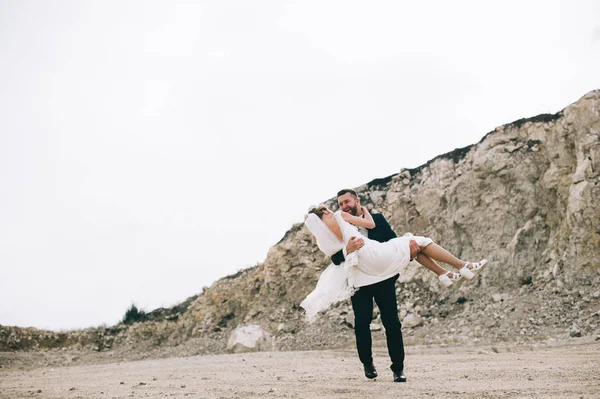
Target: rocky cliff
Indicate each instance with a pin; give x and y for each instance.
(525, 197)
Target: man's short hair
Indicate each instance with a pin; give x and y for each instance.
(346, 191)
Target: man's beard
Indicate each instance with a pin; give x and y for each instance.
(354, 210)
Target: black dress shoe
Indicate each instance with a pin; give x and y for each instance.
(370, 371)
(399, 376)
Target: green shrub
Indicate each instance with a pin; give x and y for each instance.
(134, 315)
(527, 280)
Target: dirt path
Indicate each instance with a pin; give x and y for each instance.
(567, 371)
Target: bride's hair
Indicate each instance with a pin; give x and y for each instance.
(319, 210)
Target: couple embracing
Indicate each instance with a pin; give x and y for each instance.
(367, 257)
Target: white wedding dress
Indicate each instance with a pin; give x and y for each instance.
(374, 258)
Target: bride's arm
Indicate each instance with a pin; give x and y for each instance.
(367, 221)
(368, 217)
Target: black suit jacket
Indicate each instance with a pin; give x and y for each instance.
(382, 232)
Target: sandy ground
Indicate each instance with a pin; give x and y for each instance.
(569, 370)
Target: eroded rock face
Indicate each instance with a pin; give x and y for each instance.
(249, 338)
(525, 197)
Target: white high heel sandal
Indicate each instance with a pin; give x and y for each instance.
(475, 267)
(447, 281)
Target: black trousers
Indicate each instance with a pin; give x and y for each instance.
(384, 294)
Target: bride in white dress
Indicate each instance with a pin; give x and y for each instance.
(381, 259)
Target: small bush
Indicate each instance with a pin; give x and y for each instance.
(527, 280)
(134, 315)
(461, 300)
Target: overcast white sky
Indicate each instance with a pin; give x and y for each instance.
(148, 148)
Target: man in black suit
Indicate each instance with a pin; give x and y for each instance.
(380, 288)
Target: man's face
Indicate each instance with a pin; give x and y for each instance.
(349, 203)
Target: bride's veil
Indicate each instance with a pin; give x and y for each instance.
(326, 240)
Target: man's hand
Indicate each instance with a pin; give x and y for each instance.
(414, 248)
(355, 244)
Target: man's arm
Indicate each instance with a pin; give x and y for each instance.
(338, 258)
(353, 245)
(387, 234)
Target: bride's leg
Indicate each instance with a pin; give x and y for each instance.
(441, 255)
(446, 278)
(430, 264)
